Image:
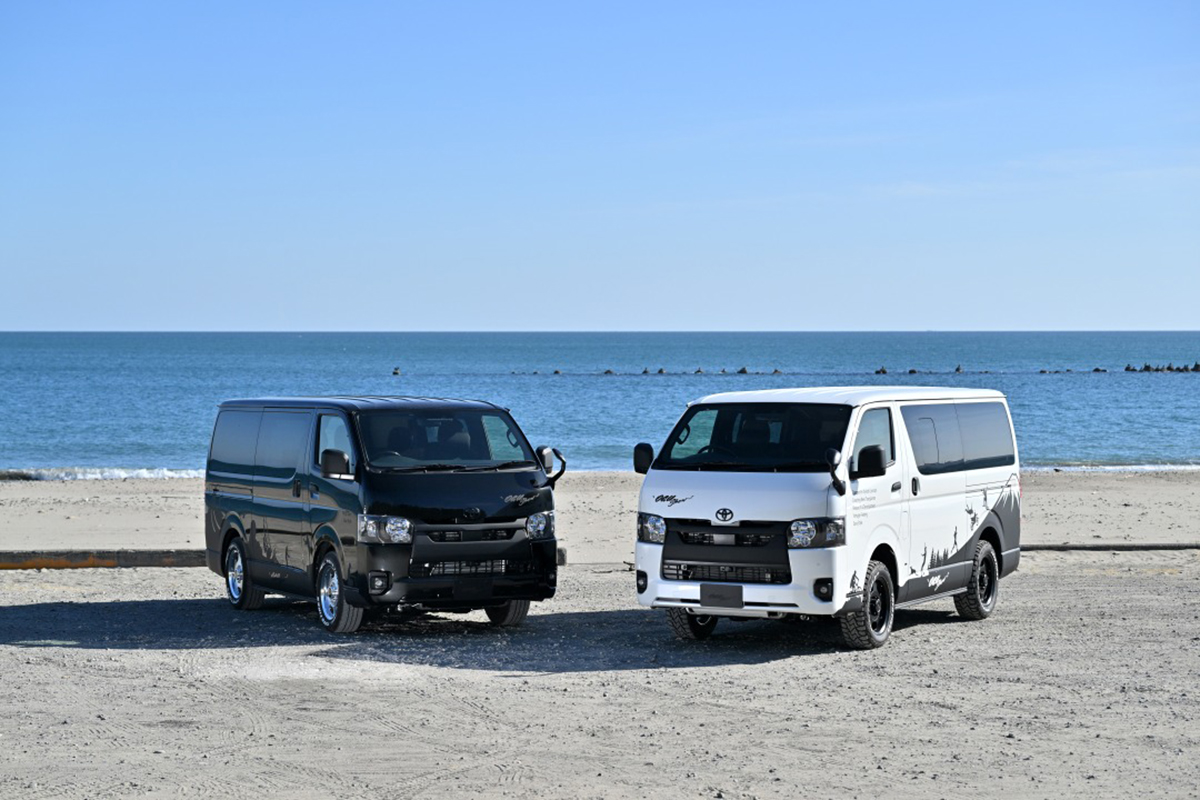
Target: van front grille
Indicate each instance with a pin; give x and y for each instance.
(485, 535)
(726, 573)
(497, 566)
(726, 538)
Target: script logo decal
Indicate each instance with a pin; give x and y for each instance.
(671, 499)
(519, 499)
(936, 582)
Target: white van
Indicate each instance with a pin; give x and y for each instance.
(848, 502)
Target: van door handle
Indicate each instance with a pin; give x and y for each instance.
(314, 492)
(296, 488)
(916, 486)
(896, 486)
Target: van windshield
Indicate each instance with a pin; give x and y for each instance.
(755, 437)
(431, 440)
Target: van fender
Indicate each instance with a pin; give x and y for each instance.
(860, 557)
(233, 528)
(1007, 541)
(326, 538)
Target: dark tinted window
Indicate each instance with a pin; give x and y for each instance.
(934, 435)
(875, 428)
(755, 437)
(282, 440)
(451, 438)
(233, 442)
(987, 437)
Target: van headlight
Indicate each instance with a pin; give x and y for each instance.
(651, 528)
(540, 525)
(823, 532)
(384, 530)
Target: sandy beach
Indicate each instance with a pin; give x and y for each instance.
(596, 512)
(143, 682)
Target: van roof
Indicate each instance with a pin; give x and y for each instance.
(357, 402)
(851, 395)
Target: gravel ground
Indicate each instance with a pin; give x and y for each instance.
(125, 683)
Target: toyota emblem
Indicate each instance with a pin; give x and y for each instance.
(724, 514)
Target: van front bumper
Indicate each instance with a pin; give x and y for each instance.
(799, 596)
(467, 575)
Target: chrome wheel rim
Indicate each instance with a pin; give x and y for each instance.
(328, 591)
(234, 577)
(879, 607)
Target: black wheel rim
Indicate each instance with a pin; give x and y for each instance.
(879, 606)
(987, 582)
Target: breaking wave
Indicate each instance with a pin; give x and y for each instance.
(96, 474)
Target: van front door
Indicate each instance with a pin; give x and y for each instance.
(877, 503)
(936, 497)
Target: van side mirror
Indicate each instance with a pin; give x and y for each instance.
(335, 464)
(871, 463)
(643, 457)
(546, 458)
(833, 457)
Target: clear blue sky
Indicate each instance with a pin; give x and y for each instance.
(572, 166)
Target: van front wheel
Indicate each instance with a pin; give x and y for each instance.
(979, 601)
(871, 626)
(336, 614)
(509, 615)
(690, 626)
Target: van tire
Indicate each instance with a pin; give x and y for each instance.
(871, 626)
(243, 594)
(509, 615)
(983, 589)
(337, 615)
(695, 627)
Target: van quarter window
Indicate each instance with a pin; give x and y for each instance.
(875, 428)
(987, 437)
(233, 442)
(333, 434)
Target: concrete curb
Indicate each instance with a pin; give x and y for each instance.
(80, 559)
(91, 559)
(1121, 547)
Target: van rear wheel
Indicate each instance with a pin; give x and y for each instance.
(239, 586)
(336, 614)
(509, 615)
(690, 626)
(871, 626)
(983, 589)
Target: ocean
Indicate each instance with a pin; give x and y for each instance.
(89, 405)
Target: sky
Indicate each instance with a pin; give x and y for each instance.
(599, 166)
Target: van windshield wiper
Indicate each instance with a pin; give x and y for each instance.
(428, 468)
(502, 465)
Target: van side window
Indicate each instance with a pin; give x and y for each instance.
(986, 434)
(234, 439)
(935, 438)
(875, 428)
(282, 440)
(333, 434)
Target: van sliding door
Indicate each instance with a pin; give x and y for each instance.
(936, 493)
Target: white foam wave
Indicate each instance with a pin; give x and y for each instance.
(1111, 468)
(96, 474)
